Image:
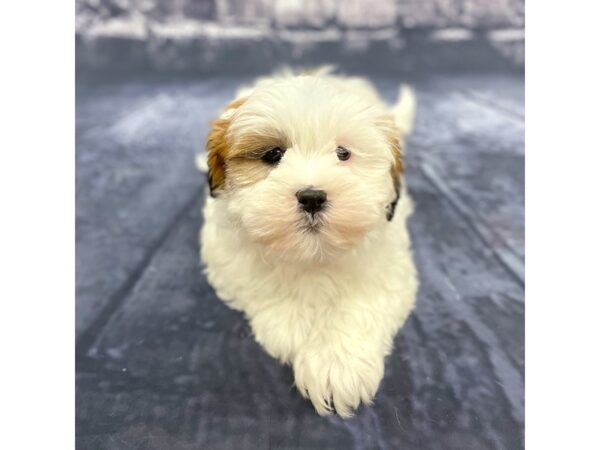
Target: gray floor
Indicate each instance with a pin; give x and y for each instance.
(163, 364)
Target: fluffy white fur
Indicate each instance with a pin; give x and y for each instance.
(327, 302)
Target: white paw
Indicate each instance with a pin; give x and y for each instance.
(337, 379)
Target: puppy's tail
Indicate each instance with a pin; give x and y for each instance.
(404, 109)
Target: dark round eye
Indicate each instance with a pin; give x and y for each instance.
(273, 156)
(342, 153)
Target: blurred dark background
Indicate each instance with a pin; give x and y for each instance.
(161, 362)
(241, 36)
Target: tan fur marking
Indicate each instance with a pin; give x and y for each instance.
(252, 146)
(236, 103)
(398, 164)
(237, 163)
(219, 148)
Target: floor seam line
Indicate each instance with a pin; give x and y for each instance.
(509, 262)
(88, 337)
(487, 103)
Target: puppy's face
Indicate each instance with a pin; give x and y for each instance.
(307, 167)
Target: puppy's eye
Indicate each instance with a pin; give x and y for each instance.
(342, 153)
(273, 156)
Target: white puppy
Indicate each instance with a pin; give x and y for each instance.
(305, 231)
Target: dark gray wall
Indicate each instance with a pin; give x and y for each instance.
(253, 35)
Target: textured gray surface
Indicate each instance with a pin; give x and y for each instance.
(208, 36)
(163, 364)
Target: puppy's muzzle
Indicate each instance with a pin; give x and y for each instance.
(311, 200)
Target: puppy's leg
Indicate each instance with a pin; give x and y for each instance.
(280, 326)
(342, 361)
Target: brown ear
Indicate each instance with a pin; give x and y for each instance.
(396, 142)
(218, 147)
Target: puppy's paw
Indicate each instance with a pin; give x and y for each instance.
(337, 379)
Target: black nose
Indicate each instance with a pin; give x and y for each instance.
(311, 200)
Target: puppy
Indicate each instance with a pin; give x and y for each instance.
(305, 229)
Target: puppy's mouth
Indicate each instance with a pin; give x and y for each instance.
(311, 222)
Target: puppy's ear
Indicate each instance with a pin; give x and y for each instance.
(397, 146)
(403, 113)
(396, 143)
(218, 146)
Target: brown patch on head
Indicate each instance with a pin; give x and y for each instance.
(220, 149)
(218, 146)
(236, 163)
(244, 165)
